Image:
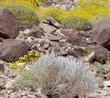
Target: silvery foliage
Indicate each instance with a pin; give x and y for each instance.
(68, 71)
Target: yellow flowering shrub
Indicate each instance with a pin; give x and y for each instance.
(67, 18)
(78, 22)
(96, 9)
(30, 57)
(87, 10)
(96, 2)
(32, 4)
(51, 11)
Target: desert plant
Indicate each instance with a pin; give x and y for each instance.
(87, 12)
(58, 76)
(96, 2)
(26, 16)
(103, 68)
(50, 11)
(31, 4)
(68, 19)
(30, 57)
(76, 21)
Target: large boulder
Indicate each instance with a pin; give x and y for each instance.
(9, 27)
(74, 37)
(99, 54)
(101, 33)
(11, 49)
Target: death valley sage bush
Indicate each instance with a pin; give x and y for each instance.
(59, 77)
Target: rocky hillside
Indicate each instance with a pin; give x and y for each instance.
(54, 49)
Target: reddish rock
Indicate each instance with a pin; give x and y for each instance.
(101, 33)
(11, 49)
(73, 36)
(101, 54)
(77, 52)
(9, 27)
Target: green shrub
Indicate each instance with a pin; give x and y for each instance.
(26, 16)
(31, 4)
(95, 2)
(78, 22)
(58, 76)
(103, 68)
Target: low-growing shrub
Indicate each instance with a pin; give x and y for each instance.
(103, 68)
(59, 77)
(51, 11)
(85, 13)
(67, 18)
(26, 16)
(95, 2)
(78, 22)
(31, 4)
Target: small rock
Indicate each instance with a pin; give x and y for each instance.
(107, 76)
(76, 51)
(2, 67)
(37, 32)
(47, 28)
(52, 22)
(106, 83)
(59, 33)
(62, 53)
(26, 31)
(3, 81)
(31, 96)
(10, 84)
(90, 57)
(63, 42)
(52, 37)
(40, 94)
(66, 4)
(73, 37)
(29, 39)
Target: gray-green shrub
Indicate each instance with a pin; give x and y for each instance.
(58, 76)
(78, 22)
(26, 16)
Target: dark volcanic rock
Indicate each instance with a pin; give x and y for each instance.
(101, 54)
(74, 37)
(9, 27)
(101, 33)
(11, 49)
